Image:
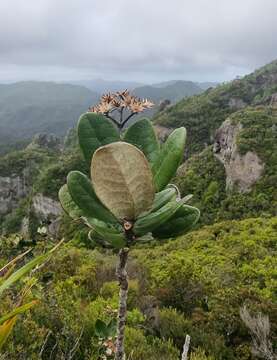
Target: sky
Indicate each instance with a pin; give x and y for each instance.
(143, 40)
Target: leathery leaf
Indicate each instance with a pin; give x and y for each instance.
(169, 159)
(95, 130)
(142, 135)
(83, 195)
(122, 180)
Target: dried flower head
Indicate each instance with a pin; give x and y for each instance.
(123, 103)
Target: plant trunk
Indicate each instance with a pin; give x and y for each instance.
(186, 348)
(122, 305)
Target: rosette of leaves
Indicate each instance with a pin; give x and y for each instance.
(127, 197)
(127, 194)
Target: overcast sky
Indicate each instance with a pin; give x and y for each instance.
(142, 40)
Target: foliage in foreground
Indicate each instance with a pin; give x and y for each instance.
(8, 277)
(195, 285)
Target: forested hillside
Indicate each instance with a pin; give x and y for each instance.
(27, 108)
(221, 182)
(204, 113)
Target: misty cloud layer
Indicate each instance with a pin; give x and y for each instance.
(137, 40)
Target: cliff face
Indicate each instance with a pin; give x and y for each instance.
(20, 195)
(12, 190)
(19, 170)
(236, 177)
(46, 207)
(242, 171)
(48, 211)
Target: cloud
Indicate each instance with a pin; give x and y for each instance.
(142, 40)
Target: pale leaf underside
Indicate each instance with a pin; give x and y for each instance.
(122, 179)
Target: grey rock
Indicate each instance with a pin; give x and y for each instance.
(273, 100)
(236, 103)
(46, 207)
(46, 141)
(12, 189)
(162, 132)
(242, 171)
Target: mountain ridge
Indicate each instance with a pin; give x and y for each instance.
(202, 114)
(27, 108)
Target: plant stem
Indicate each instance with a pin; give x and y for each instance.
(122, 305)
(186, 348)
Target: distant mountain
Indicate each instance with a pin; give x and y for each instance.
(202, 85)
(207, 84)
(164, 83)
(172, 90)
(31, 107)
(102, 86)
(27, 108)
(203, 114)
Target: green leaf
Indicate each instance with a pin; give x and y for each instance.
(17, 311)
(95, 130)
(25, 270)
(147, 223)
(8, 268)
(6, 329)
(100, 329)
(68, 204)
(163, 197)
(111, 327)
(108, 233)
(83, 195)
(122, 180)
(142, 135)
(180, 223)
(170, 157)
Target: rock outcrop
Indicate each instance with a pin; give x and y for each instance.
(162, 132)
(46, 141)
(48, 211)
(236, 103)
(242, 171)
(273, 100)
(45, 206)
(12, 189)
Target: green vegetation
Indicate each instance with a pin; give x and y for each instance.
(173, 91)
(27, 108)
(194, 285)
(9, 276)
(15, 162)
(31, 167)
(203, 114)
(204, 176)
(53, 176)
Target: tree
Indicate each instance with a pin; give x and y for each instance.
(127, 200)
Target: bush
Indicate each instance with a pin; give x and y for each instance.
(139, 347)
(199, 354)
